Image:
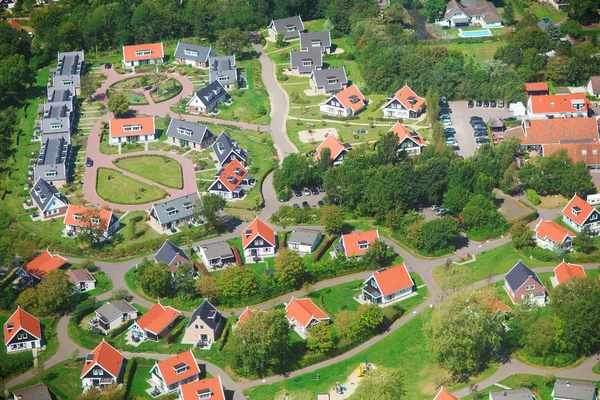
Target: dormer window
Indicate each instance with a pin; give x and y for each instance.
(231, 179)
(212, 314)
(363, 245)
(191, 53)
(131, 128)
(95, 220)
(551, 104)
(222, 78)
(290, 28)
(204, 393)
(307, 63)
(576, 210)
(43, 197)
(332, 81)
(55, 126)
(141, 53)
(315, 43)
(187, 206)
(38, 189)
(67, 83)
(10, 326)
(248, 232)
(171, 211)
(184, 131)
(78, 217)
(238, 171)
(180, 368)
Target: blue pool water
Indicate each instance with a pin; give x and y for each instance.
(481, 33)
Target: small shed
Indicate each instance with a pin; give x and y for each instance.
(496, 124)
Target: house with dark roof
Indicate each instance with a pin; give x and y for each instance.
(82, 280)
(304, 241)
(224, 70)
(61, 93)
(188, 134)
(216, 255)
(35, 392)
(549, 235)
(330, 80)
(226, 150)
(468, 13)
(522, 284)
(205, 326)
(156, 323)
(70, 67)
(113, 313)
(512, 394)
(316, 40)
(593, 86)
(57, 117)
(54, 159)
(290, 27)
(569, 389)
(403, 104)
(168, 375)
(302, 314)
(7, 4)
(206, 99)
(408, 141)
(337, 150)
(345, 103)
(259, 240)
(22, 331)
(103, 367)
(210, 388)
(172, 256)
(193, 55)
(168, 215)
(304, 62)
(49, 202)
(39, 266)
(388, 285)
(231, 182)
(579, 215)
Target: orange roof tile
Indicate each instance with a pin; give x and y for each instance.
(553, 231)
(331, 143)
(536, 87)
(192, 391)
(303, 311)
(351, 98)
(565, 272)
(229, 171)
(106, 357)
(167, 370)
(43, 264)
(443, 394)
(156, 51)
(258, 228)
(408, 98)
(557, 130)
(558, 103)
(589, 153)
(145, 124)
(393, 279)
(492, 303)
(21, 319)
(83, 213)
(157, 318)
(351, 242)
(582, 216)
(247, 315)
(404, 133)
(15, 25)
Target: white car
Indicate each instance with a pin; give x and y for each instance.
(446, 122)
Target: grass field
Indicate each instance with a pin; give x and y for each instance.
(159, 169)
(478, 51)
(62, 379)
(338, 298)
(544, 11)
(166, 90)
(122, 189)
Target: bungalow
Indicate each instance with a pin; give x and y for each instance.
(356, 244)
(558, 106)
(403, 104)
(521, 283)
(443, 394)
(549, 234)
(388, 285)
(565, 272)
(70, 68)
(345, 103)
(35, 392)
(573, 390)
(537, 89)
(210, 388)
(127, 130)
(337, 149)
(173, 372)
(187, 134)
(593, 86)
(156, 323)
(226, 150)
(223, 70)
(205, 326)
(82, 279)
(316, 40)
(304, 62)
(290, 27)
(468, 13)
(304, 241)
(22, 331)
(231, 182)
(302, 314)
(330, 80)
(192, 54)
(511, 394)
(40, 265)
(113, 313)
(102, 222)
(141, 54)
(172, 256)
(206, 99)
(103, 367)
(246, 316)
(49, 202)
(216, 255)
(579, 215)
(259, 240)
(54, 160)
(408, 141)
(170, 214)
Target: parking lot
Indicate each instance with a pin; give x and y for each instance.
(460, 117)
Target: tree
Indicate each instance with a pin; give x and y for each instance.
(296, 171)
(320, 339)
(7, 256)
(434, 9)
(584, 12)
(183, 280)
(156, 280)
(521, 235)
(233, 40)
(387, 149)
(209, 206)
(332, 217)
(377, 255)
(553, 32)
(28, 299)
(371, 316)
(438, 235)
(381, 384)
(584, 241)
(237, 283)
(556, 69)
(208, 288)
(509, 13)
(456, 198)
(347, 325)
(119, 294)
(289, 268)
(118, 104)
(15, 75)
(279, 40)
(328, 25)
(54, 293)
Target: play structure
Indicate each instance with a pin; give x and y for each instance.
(346, 389)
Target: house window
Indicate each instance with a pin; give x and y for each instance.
(295, 246)
(196, 326)
(315, 43)
(50, 174)
(291, 28)
(530, 287)
(306, 63)
(222, 78)
(332, 81)
(220, 186)
(205, 395)
(363, 246)
(171, 211)
(55, 126)
(130, 128)
(186, 132)
(190, 53)
(259, 242)
(67, 83)
(140, 53)
(97, 371)
(584, 152)
(78, 217)
(95, 220)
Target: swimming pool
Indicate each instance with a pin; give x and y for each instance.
(470, 34)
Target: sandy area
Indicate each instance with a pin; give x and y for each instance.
(350, 385)
(317, 135)
(311, 92)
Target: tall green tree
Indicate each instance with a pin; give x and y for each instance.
(54, 293)
(233, 40)
(584, 242)
(289, 268)
(434, 9)
(237, 283)
(521, 235)
(156, 280)
(383, 384)
(387, 148)
(509, 13)
(320, 338)
(118, 105)
(332, 217)
(210, 206)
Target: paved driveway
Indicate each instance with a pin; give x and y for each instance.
(460, 121)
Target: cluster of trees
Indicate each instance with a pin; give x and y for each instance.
(52, 295)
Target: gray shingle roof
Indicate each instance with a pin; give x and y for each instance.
(336, 75)
(281, 25)
(297, 59)
(167, 253)
(35, 392)
(304, 236)
(63, 93)
(307, 39)
(208, 314)
(177, 128)
(217, 250)
(80, 275)
(70, 63)
(577, 390)
(53, 156)
(114, 309)
(43, 193)
(224, 146)
(512, 394)
(58, 112)
(223, 69)
(194, 52)
(210, 94)
(519, 274)
(183, 207)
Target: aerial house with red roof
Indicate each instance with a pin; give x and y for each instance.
(303, 313)
(565, 272)
(141, 54)
(22, 331)
(345, 103)
(39, 266)
(549, 234)
(537, 89)
(356, 244)
(259, 240)
(443, 394)
(404, 104)
(408, 141)
(210, 388)
(558, 106)
(156, 323)
(388, 285)
(127, 130)
(579, 215)
(103, 367)
(337, 149)
(173, 372)
(231, 181)
(102, 222)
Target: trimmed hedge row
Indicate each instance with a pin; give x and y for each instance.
(120, 329)
(175, 333)
(525, 218)
(128, 376)
(225, 336)
(320, 252)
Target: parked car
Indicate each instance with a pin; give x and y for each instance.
(89, 162)
(449, 132)
(483, 139)
(296, 205)
(320, 188)
(297, 192)
(478, 103)
(475, 118)
(492, 103)
(305, 204)
(479, 133)
(445, 116)
(442, 101)
(314, 190)
(479, 126)
(451, 139)
(486, 104)
(500, 103)
(446, 122)
(470, 104)
(107, 65)
(445, 109)
(306, 191)
(510, 118)
(320, 203)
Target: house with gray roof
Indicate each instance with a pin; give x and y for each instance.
(53, 161)
(522, 284)
(205, 326)
(71, 66)
(82, 279)
(304, 62)
(216, 255)
(330, 80)
(57, 117)
(192, 54)
(315, 40)
(226, 150)
(113, 313)
(48, 200)
(35, 392)
(172, 256)
(512, 394)
(206, 99)
(290, 27)
(224, 70)
(58, 94)
(568, 389)
(167, 216)
(188, 134)
(466, 13)
(304, 241)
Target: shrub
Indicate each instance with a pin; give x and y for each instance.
(175, 333)
(120, 329)
(321, 251)
(533, 197)
(128, 376)
(224, 337)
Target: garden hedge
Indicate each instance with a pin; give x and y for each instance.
(320, 252)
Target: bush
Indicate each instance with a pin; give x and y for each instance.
(128, 376)
(175, 333)
(533, 197)
(224, 337)
(321, 251)
(120, 329)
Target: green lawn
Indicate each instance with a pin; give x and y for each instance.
(135, 82)
(149, 346)
(159, 169)
(134, 99)
(479, 51)
(62, 379)
(338, 298)
(166, 90)
(121, 189)
(545, 11)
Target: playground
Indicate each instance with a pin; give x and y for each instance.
(347, 389)
(317, 135)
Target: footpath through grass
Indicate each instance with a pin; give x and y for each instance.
(121, 189)
(160, 169)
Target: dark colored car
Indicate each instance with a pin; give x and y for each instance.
(305, 204)
(296, 205)
(510, 118)
(470, 104)
(478, 103)
(320, 203)
(89, 162)
(314, 190)
(450, 131)
(297, 192)
(480, 133)
(492, 103)
(475, 118)
(107, 65)
(442, 101)
(445, 109)
(486, 104)
(482, 140)
(320, 188)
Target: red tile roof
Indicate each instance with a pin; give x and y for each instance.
(22, 319)
(404, 133)
(393, 279)
(404, 95)
(351, 98)
(43, 264)
(553, 231)
(351, 242)
(156, 50)
(87, 212)
(303, 311)
(192, 391)
(229, 171)
(558, 103)
(556, 130)
(582, 216)
(106, 357)
(443, 394)
(589, 153)
(536, 87)
(247, 315)
(157, 318)
(167, 370)
(335, 146)
(492, 303)
(256, 228)
(565, 272)
(14, 24)
(117, 126)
